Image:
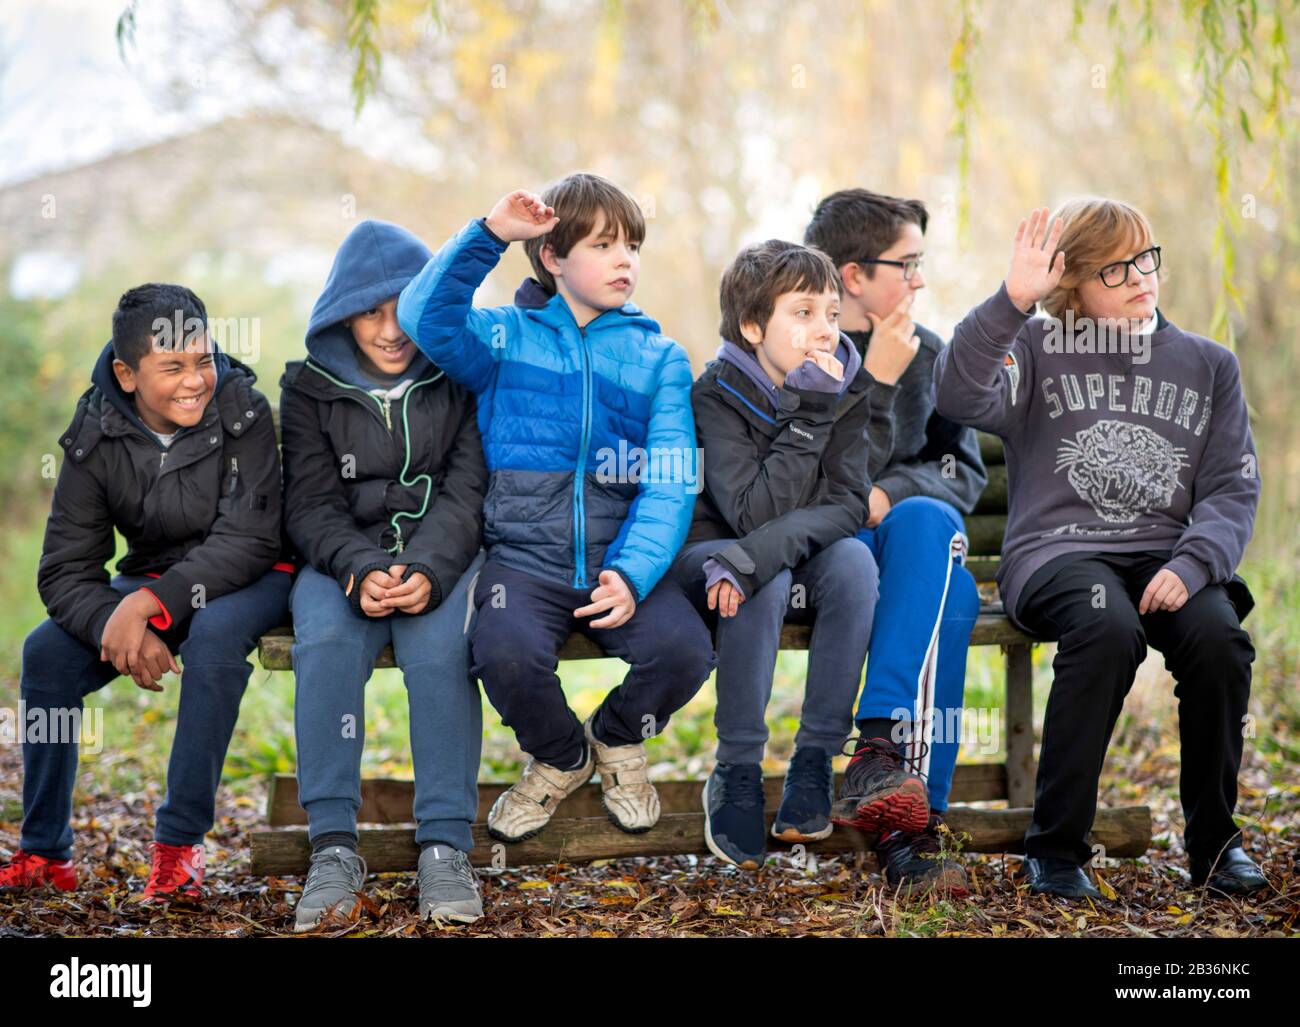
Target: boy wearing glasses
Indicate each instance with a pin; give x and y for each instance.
(1133, 488)
(898, 780)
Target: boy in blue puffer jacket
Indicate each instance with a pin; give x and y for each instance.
(572, 380)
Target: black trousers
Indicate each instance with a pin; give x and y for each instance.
(1087, 603)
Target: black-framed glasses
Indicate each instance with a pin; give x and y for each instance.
(910, 267)
(1116, 274)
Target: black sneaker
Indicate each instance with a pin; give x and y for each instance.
(733, 814)
(879, 793)
(805, 813)
(913, 861)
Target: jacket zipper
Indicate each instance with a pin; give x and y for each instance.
(234, 475)
(385, 405)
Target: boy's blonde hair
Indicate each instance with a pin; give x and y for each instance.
(1094, 230)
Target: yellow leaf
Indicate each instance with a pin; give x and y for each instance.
(534, 884)
(1105, 888)
(727, 911)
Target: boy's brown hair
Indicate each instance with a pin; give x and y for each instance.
(579, 200)
(854, 225)
(763, 272)
(1094, 230)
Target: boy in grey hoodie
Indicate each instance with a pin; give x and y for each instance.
(1133, 486)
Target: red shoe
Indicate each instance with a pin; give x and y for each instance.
(28, 872)
(177, 873)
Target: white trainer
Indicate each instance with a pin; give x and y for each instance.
(523, 809)
(628, 796)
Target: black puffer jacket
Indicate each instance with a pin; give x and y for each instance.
(785, 483)
(350, 509)
(204, 512)
(368, 482)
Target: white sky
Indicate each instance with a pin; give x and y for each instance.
(65, 96)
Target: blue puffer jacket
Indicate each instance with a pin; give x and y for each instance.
(556, 404)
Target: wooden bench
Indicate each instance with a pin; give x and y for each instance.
(580, 830)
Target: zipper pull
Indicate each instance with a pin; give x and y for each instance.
(234, 474)
(162, 457)
(388, 411)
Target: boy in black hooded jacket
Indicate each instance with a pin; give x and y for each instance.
(384, 484)
(174, 448)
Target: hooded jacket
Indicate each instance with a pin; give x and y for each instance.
(376, 480)
(786, 471)
(202, 516)
(565, 413)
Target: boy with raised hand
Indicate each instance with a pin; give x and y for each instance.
(569, 378)
(174, 448)
(1133, 489)
(897, 783)
(783, 418)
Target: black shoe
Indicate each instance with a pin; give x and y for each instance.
(913, 861)
(733, 814)
(1051, 876)
(1233, 873)
(879, 793)
(805, 813)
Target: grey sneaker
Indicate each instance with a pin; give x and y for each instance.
(448, 887)
(335, 877)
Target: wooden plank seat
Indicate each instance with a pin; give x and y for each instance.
(580, 830)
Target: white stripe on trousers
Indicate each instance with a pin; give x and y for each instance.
(919, 746)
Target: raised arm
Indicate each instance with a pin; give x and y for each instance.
(436, 309)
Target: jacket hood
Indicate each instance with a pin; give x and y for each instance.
(103, 378)
(846, 353)
(374, 264)
(551, 308)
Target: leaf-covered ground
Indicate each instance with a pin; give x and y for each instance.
(681, 896)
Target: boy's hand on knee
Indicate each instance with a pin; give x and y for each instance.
(521, 215)
(156, 659)
(124, 633)
(374, 586)
(613, 595)
(725, 598)
(1033, 272)
(1165, 591)
(878, 505)
(411, 595)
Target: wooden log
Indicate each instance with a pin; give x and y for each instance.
(985, 532)
(1019, 724)
(1124, 832)
(274, 649)
(991, 450)
(993, 500)
(389, 801)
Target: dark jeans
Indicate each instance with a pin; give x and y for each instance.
(213, 645)
(523, 621)
(1101, 641)
(58, 670)
(835, 590)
